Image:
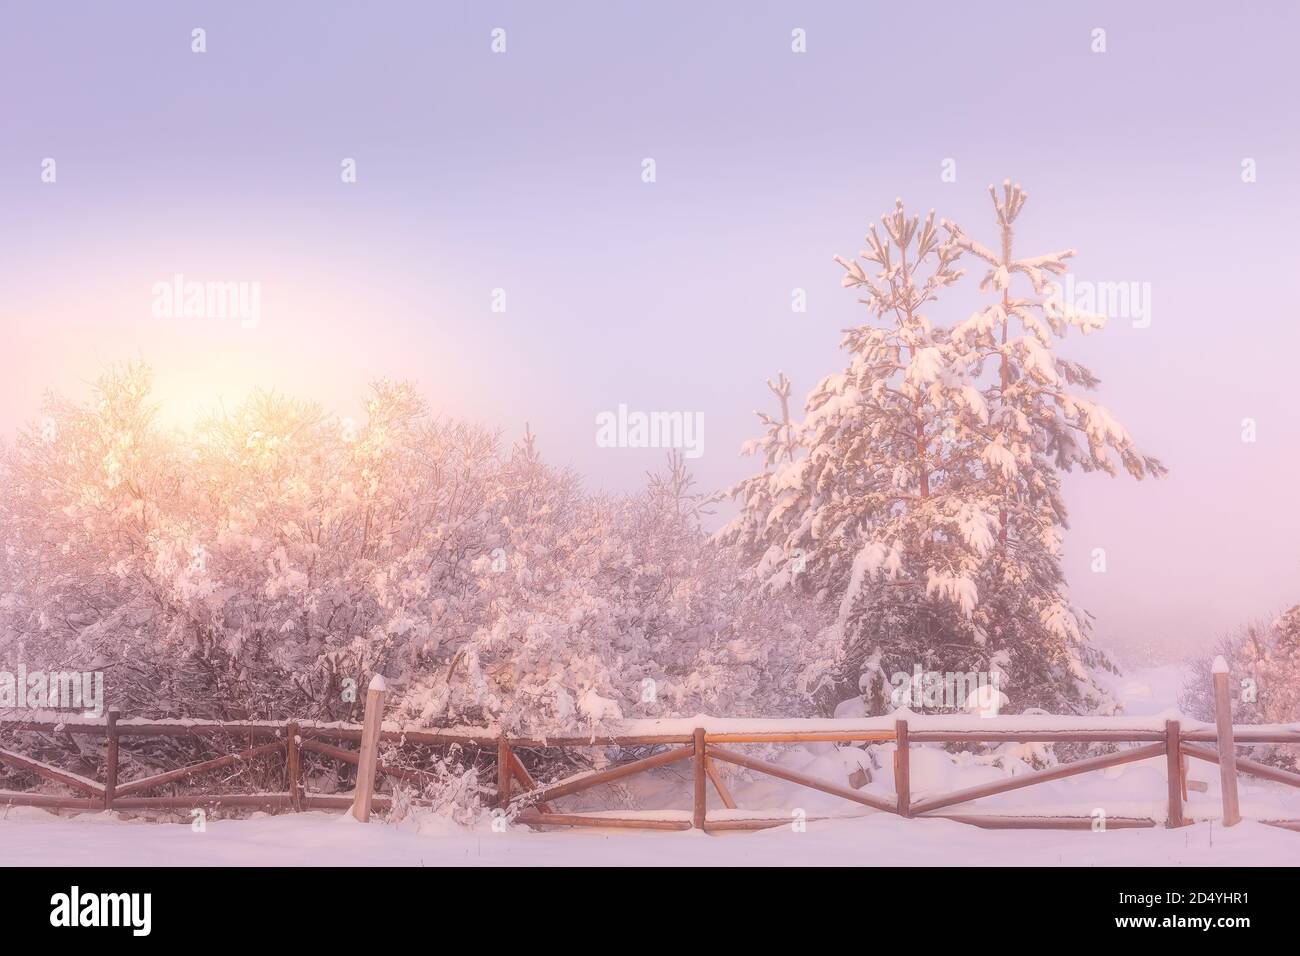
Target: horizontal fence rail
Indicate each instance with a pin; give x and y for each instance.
(703, 742)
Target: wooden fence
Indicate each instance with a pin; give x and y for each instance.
(701, 747)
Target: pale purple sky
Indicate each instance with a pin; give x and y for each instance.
(522, 171)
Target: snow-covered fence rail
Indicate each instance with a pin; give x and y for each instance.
(702, 742)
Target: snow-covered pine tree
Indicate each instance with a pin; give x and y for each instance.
(874, 494)
(924, 502)
(771, 494)
(1040, 426)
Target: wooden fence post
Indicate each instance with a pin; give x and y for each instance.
(110, 763)
(903, 769)
(293, 765)
(503, 771)
(369, 760)
(1174, 771)
(700, 775)
(1227, 748)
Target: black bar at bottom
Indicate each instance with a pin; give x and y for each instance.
(971, 905)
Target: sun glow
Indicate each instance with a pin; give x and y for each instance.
(185, 398)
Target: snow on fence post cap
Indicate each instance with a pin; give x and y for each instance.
(1220, 665)
(378, 683)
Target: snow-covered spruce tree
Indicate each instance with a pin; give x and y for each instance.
(924, 500)
(1040, 426)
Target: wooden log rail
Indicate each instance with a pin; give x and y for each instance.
(528, 802)
(48, 772)
(812, 783)
(1252, 767)
(1039, 776)
(157, 780)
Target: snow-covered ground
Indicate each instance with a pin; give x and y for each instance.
(32, 837)
(35, 837)
(1148, 691)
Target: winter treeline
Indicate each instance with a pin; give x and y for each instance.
(918, 498)
(267, 563)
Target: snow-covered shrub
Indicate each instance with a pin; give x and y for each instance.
(454, 791)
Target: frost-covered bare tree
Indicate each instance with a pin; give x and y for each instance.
(268, 562)
(1264, 661)
(925, 504)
